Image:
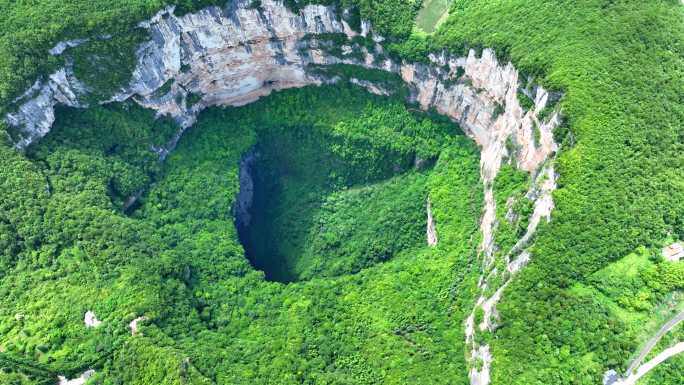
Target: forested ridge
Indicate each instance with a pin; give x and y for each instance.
(360, 308)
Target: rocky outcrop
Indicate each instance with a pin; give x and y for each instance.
(245, 197)
(431, 227)
(36, 112)
(233, 55)
(227, 56)
(516, 259)
(135, 325)
(62, 46)
(90, 320)
(80, 380)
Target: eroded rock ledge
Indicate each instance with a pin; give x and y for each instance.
(232, 56)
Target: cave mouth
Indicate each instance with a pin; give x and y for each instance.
(303, 211)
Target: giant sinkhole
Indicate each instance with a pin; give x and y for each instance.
(313, 203)
(319, 191)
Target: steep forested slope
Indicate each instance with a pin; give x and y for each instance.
(620, 64)
(177, 261)
(584, 304)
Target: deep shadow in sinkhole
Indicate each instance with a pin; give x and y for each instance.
(302, 212)
(260, 185)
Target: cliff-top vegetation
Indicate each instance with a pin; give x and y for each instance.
(361, 308)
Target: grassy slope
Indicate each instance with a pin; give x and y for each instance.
(432, 14)
(620, 66)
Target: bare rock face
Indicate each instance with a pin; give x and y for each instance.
(80, 380)
(227, 56)
(62, 46)
(36, 112)
(245, 197)
(233, 55)
(91, 320)
(236, 54)
(431, 227)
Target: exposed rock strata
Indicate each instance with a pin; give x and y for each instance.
(229, 57)
(62, 46)
(234, 55)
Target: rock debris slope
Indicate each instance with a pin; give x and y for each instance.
(234, 55)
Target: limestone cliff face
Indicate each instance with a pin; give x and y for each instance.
(37, 113)
(234, 55)
(228, 56)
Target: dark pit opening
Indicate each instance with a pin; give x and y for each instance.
(260, 184)
(304, 211)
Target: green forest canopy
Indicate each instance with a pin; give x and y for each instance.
(620, 65)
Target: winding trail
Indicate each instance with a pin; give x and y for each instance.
(650, 365)
(634, 372)
(674, 321)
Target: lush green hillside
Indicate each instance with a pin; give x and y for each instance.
(363, 308)
(620, 64)
(176, 259)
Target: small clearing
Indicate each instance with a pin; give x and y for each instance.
(433, 13)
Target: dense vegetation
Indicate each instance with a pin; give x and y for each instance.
(594, 291)
(323, 224)
(176, 258)
(620, 65)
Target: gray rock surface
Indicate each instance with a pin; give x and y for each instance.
(245, 197)
(36, 112)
